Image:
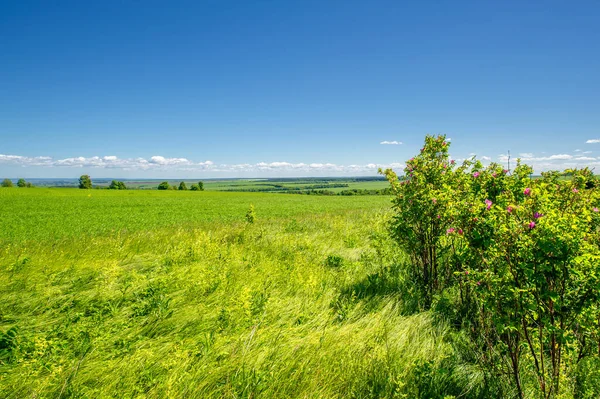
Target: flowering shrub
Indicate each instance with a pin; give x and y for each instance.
(523, 255)
(425, 204)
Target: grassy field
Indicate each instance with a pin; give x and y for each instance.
(143, 294)
(334, 184)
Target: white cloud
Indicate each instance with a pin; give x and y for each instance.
(486, 158)
(593, 141)
(391, 142)
(157, 159)
(160, 163)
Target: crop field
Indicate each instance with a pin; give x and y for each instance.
(274, 185)
(174, 294)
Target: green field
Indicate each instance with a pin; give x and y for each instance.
(274, 185)
(173, 294)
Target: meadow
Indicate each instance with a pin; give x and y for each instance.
(470, 281)
(155, 294)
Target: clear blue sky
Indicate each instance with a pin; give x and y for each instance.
(279, 88)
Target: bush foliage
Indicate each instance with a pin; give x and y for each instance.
(511, 261)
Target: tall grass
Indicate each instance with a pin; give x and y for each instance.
(307, 302)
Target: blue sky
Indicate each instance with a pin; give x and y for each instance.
(282, 88)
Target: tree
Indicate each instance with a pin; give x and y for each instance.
(117, 185)
(164, 185)
(195, 187)
(21, 183)
(182, 186)
(200, 186)
(7, 183)
(85, 182)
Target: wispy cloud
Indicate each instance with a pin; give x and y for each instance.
(391, 142)
(593, 141)
(160, 163)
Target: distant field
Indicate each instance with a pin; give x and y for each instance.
(49, 214)
(333, 184)
(173, 294)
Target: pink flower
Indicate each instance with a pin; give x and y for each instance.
(460, 231)
(575, 190)
(479, 283)
(452, 162)
(450, 230)
(438, 216)
(488, 204)
(444, 143)
(505, 171)
(531, 225)
(509, 209)
(494, 174)
(595, 209)
(527, 191)
(537, 215)
(466, 272)
(434, 200)
(476, 174)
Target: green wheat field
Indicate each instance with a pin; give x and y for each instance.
(149, 294)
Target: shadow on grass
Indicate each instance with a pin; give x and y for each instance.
(375, 289)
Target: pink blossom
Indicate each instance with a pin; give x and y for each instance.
(509, 209)
(450, 230)
(537, 215)
(575, 190)
(531, 225)
(438, 216)
(467, 272)
(476, 174)
(488, 204)
(527, 191)
(444, 143)
(595, 209)
(494, 174)
(460, 231)
(505, 171)
(452, 162)
(434, 200)
(479, 283)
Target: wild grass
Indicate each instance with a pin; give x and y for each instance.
(169, 294)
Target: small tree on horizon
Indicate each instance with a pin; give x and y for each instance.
(21, 183)
(164, 185)
(182, 186)
(85, 182)
(7, 183)
(200, 186)
(117, 185)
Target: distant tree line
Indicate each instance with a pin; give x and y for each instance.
(182, 186)
(282, 188)
(352, 192)
(20, 183)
